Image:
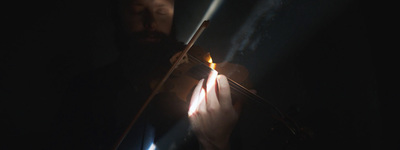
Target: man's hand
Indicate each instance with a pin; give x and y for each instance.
(211, 112)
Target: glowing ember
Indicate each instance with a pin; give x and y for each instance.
(210, 60)
(211, 65)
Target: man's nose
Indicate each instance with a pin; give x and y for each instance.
(149, 21)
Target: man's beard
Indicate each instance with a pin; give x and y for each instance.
(150, 57)
(148, 37)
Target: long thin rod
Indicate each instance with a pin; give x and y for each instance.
(161, 83)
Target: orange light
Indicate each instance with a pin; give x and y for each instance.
(211, 65)
(210, 60)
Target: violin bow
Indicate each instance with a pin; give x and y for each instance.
(193, 39)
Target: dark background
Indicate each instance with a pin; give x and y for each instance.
(337, 73)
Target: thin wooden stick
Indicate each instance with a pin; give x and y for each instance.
(161, 83)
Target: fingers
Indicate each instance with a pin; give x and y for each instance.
(196, 98)
(224, 93)
(202, 106)
(175, 57)
(213, 97)
(212, 102)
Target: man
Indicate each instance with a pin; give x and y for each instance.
(106, 101)
(148, 23)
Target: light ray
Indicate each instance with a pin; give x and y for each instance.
(209, 13)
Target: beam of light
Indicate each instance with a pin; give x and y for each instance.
(201, 97)
(249, 35)
(209, 13)
(212, 9)
(152, 147)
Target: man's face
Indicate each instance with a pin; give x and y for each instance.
(148, 21)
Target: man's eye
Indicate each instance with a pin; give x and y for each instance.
(162, 11)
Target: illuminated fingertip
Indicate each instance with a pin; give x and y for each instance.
(214, 72)
(190, 113)
(197, 99)
(220, 76)
(192, 109)
(211, 80)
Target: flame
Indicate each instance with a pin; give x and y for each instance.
(211, 65)
(210, 60)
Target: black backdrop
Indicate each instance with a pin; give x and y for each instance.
(332, 77)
